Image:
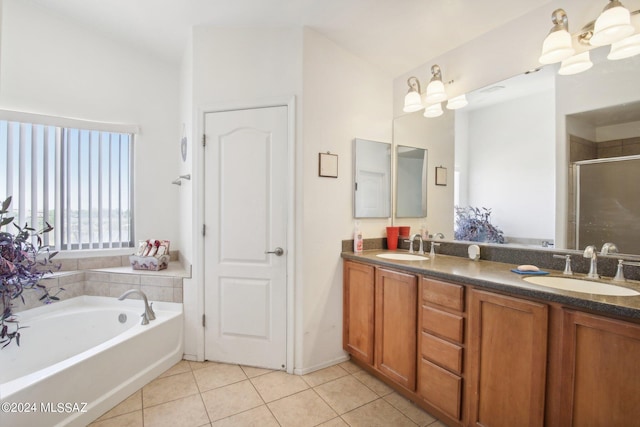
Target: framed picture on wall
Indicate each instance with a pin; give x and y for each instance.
(328, 165)
(441, 175)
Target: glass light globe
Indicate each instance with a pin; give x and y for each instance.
(576, 64)
(433, 110)
(412, 102)
(556, 47)
(459, 101)
(612, 25)
(625, 48)
(435, 92)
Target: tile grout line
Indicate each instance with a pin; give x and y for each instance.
(347, 373)
(262, 398)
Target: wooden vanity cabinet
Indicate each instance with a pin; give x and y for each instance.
(358, 310)
(380, 320)
(396, 326)
(600, 373)
(441, 346)
(507, 360)
(477, 358)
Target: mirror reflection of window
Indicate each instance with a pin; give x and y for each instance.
(372, 179)
(411, 184)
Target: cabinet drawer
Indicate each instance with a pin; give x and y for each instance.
(441, 352)
(443, 324)
(444, 294)
(441, 388)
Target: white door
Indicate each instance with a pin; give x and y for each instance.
(245, 219)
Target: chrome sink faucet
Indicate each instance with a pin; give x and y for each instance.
(609, 248)
(619, 277)
(148, 308)
(411, 239)
(591, 252)
(567, 264)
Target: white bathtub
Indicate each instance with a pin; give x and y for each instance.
(76, 359)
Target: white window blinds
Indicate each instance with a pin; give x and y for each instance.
(80, 180)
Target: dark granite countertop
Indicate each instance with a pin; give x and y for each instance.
(497, 276)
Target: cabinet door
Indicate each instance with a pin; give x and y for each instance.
(397, 326)
(601, 379)
(507, 360)
(358, 310)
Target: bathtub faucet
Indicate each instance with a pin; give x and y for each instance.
(148, 309)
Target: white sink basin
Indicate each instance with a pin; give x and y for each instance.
(403, 257)
(579, 285)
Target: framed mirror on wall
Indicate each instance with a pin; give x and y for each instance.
(411, 182)
(372, 179)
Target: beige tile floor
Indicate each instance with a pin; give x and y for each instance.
(195, 394)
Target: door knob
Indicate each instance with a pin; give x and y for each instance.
(277, 251)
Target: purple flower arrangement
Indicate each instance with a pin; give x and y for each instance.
(24, 260)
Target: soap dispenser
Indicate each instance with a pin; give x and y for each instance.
(358, 241)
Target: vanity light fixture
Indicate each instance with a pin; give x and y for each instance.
(433, 110)
(413, 99)
(575, 64)
(557, 45)
(613, 24)
(435, 89)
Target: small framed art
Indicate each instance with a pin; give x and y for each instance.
(328, 165)
(441, 175)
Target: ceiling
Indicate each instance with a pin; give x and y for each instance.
(395, 35)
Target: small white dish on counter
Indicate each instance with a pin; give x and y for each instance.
(474, 252)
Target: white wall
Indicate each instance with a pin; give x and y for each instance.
(58, 67)
(515, 139)
(344, 98)
(191, 298)
(621, 131)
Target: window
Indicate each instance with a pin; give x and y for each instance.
(74, 175)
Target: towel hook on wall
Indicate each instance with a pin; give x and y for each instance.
(178, 181)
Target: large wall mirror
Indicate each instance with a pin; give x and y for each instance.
(513, 152)
(411, 182)
(372, 179)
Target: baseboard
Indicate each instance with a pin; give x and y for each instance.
(304, 371)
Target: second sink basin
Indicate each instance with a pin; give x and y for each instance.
(403, 257)
(580, 285)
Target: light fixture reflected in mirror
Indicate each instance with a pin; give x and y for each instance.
(435, 89)
(456, 102)
(575, 64)
(413, 99)
(613, 24)
(557, 45)
(433, 110)
(434, 96)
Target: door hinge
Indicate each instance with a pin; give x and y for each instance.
(204, 323)
(204, 229)
(356, 186)
(204, 140)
